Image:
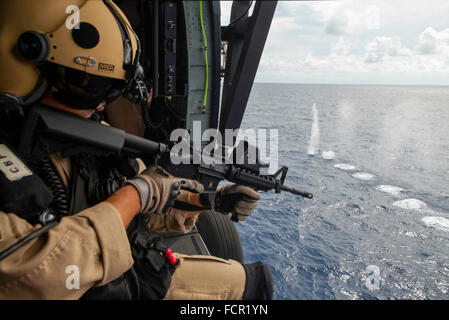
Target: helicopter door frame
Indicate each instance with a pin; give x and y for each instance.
(246, 36)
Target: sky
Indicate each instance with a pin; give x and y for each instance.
(356, 42)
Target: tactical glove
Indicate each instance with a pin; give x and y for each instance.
(158, 190)
(237, 199)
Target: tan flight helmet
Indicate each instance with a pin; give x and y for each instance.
(40, 45)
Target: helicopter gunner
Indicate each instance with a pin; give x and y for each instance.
(76, 224)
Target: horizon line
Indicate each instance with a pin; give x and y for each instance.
(355, 84)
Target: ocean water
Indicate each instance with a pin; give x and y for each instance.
(378, 225)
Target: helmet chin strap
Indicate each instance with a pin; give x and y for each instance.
(136, 90)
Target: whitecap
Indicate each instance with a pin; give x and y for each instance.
(328, 155)
(364, 176)
(389, 189)
(411, 204)
(439, 223)
(343, 166)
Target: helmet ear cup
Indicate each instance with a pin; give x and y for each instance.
(33, 46)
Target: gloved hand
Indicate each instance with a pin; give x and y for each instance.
(158, 191)
(238, 199)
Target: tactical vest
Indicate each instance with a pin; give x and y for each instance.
(93, 180)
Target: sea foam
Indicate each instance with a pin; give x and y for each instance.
(389, 189)
(436, 222)
(328, 155)
(411, 204)
(364, 176)
(343, 166)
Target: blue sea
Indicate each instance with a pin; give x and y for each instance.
(376, 159)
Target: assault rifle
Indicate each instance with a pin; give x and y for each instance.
(48, 131)
(240, 171)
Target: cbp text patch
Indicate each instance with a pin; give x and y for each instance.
(11, 166)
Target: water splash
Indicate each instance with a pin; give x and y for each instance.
(315, 133)
(411, 204)
(328, 155)
(344, 166)
(364, 176)
(394, 190)
(436, 222)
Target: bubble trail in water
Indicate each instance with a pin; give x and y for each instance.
(315, 133)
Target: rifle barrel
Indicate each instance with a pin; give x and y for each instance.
(297, 192)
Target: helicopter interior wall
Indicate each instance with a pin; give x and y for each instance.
(190, 102)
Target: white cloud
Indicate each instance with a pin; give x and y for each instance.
(383, 58)
(339, 25)
(384, 48)
(433, 42)
(342, 47)
(351, 18)
(357, 41)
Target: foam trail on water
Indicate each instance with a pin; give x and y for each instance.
(436, 222)
(411, 204)
(315, 133)
(389, 189)
(364, 176)
(344, 166)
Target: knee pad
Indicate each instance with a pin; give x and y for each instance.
(259, 282)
